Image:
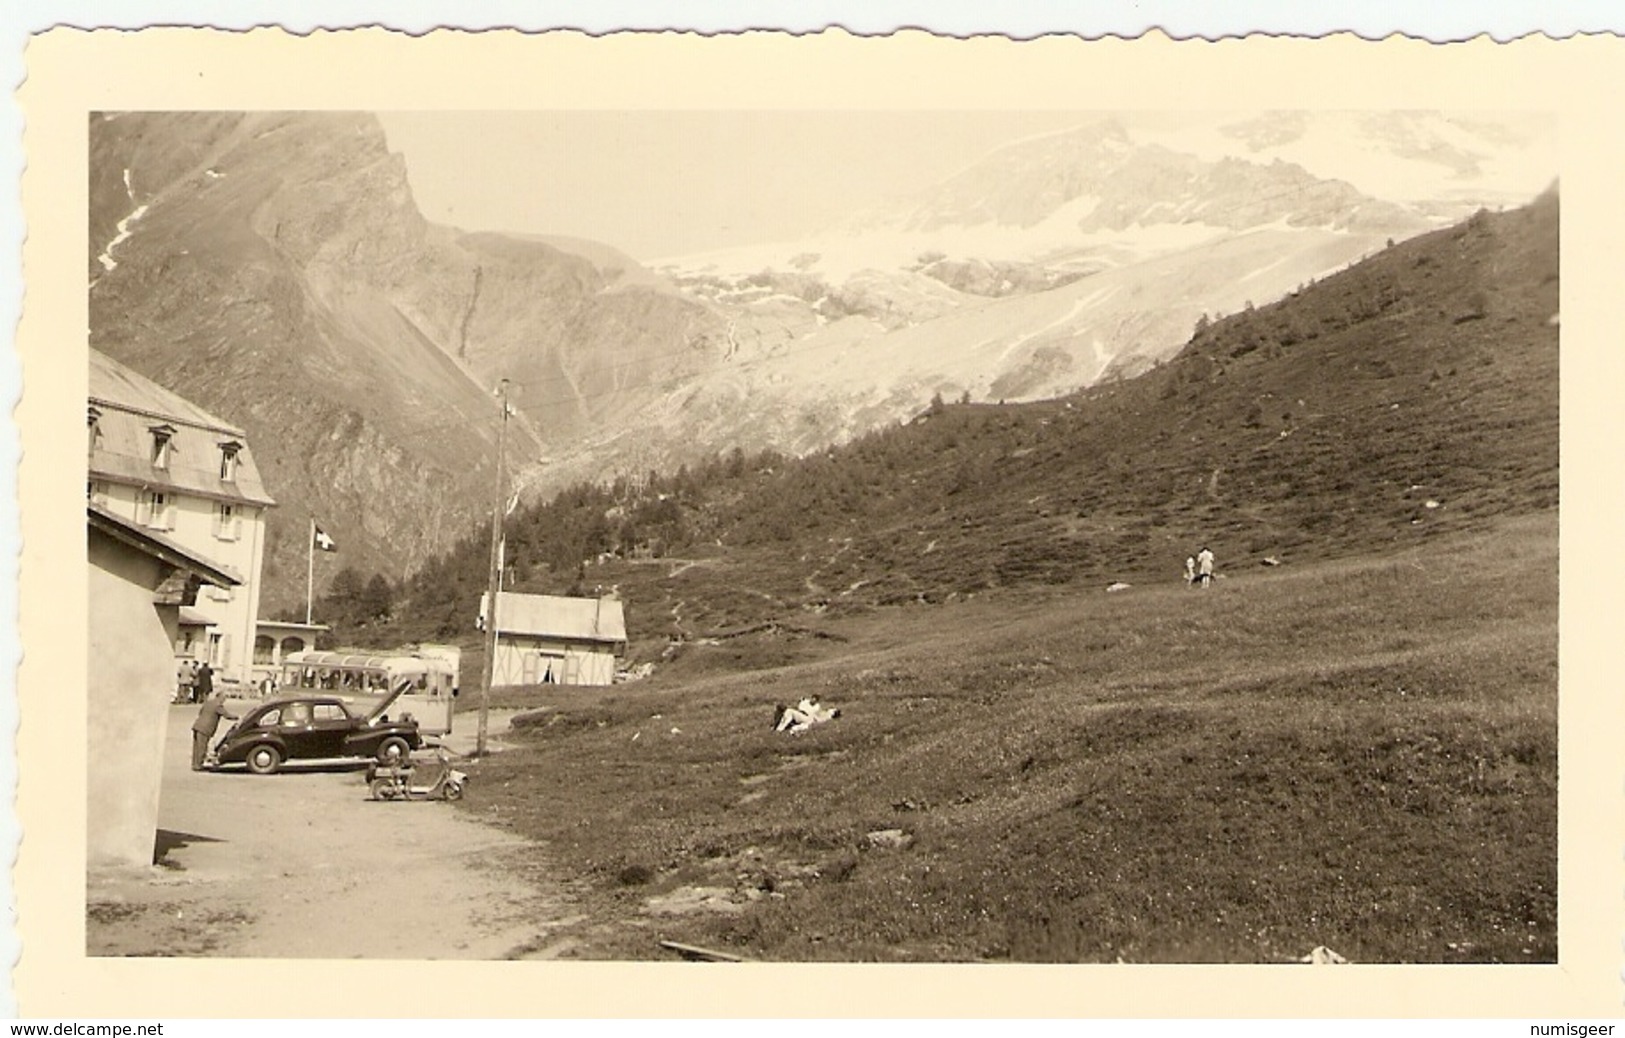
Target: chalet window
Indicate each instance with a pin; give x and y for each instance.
(228, 523)
(95, 426)
(228, 460)
(163, 445)
(154, 509)
(96, 491)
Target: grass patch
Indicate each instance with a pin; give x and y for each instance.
(1359, 753)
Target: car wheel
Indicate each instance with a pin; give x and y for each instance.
(393, 751)
(264, 760)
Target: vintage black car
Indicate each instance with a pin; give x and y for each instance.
(305, 726)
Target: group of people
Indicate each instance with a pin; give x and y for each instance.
(1199, 568)
(194, 682)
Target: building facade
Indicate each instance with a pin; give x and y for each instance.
(171, 468)
(139, 583)
(275, 640)
(551, 639)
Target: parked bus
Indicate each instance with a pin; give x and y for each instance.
(430, 680)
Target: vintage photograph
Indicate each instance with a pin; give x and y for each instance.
(1020, 536)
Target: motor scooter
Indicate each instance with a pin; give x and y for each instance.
(410, 781)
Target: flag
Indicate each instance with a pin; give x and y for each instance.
(324, 542)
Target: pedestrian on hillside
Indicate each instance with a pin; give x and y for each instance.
(207, 723)
(1190, 571)
(203, 683)
(1204, 566)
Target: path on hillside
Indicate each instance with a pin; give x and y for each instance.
(303, 864)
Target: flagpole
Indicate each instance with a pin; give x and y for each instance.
(310, 568)
(494, 582)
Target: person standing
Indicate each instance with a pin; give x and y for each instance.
(183, 683)
(203, 683)
(1190, 571)
(1204, 566)
(207, 723)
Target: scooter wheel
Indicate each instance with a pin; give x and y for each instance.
(454, 791)
(383, 789)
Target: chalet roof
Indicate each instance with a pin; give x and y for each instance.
(131, 406)
(555, 616)
(160, 547)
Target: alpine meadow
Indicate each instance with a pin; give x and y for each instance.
(1349, 741)
(1137, 542)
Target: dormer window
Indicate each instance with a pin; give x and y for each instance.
(228, 460)
(95, 426)
(163, 444)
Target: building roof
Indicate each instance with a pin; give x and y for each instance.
(267, 626)
(131, 406)
(115, 383)
(160, 547)
(555, 616)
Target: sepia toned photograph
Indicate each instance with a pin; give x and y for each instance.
(938, 536)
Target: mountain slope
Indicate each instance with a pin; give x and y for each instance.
(1044, 267)
(1411, 396)
(1122, 184)
(274, 268)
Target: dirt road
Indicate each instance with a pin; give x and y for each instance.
(303, 864)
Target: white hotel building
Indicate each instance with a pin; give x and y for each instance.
(165, 464)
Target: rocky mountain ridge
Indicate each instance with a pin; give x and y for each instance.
(275, 268)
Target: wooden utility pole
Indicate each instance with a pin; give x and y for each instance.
(493, 585)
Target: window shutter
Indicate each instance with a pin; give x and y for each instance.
(143, 509)
(236, 526)
(169, 514)
(225, 651)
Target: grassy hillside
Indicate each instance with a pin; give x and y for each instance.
(1409, 397)
(1354, 746)
(1356, 753)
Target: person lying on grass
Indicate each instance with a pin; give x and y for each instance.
(803, 715)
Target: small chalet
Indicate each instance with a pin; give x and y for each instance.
(551, 639)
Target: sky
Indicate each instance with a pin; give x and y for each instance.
(658, 184)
